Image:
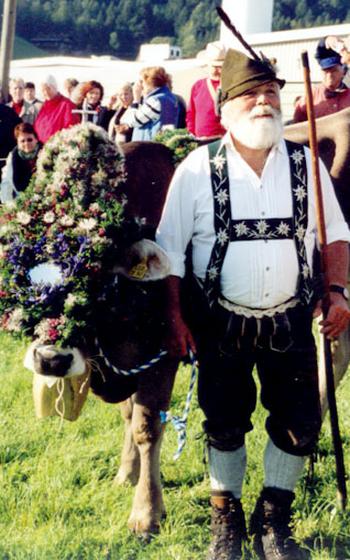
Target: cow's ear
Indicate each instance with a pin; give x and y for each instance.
(144, 261)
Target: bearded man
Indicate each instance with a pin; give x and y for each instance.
(246, 206)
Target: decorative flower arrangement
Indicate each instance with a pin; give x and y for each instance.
(70, 216)
(179, 141)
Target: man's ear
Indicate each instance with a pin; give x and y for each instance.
(144, 261)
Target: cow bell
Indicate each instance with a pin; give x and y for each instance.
(65, 397)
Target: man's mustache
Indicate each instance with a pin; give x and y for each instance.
(264, 111)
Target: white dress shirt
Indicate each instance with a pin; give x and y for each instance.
(255, 273)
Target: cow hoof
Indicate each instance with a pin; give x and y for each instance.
(143, 528)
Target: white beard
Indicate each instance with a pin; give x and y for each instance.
(254, 133)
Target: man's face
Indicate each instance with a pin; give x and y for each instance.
(215, 71)
(254, 118)
(332, 77)
(48, 91)
(17, 91)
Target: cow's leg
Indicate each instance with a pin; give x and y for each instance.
(129, 469)
(152, 397)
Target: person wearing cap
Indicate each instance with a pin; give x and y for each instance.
(56, 112)
(202, 118)
(332, 95)
(245, 207)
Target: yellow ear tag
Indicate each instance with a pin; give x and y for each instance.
(139, 270)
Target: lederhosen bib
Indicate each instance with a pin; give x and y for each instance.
(228, 230)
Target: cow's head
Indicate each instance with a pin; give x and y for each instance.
(69, 225)
(143, 261)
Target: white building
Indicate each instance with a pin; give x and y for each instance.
(158, 51)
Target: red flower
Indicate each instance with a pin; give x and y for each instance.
(53, 334)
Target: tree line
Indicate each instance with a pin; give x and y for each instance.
(119, 27)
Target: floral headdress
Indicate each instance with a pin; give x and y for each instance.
(70, 217)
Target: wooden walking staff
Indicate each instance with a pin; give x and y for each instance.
(321, 229)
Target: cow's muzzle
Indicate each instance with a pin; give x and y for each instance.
(49, 360)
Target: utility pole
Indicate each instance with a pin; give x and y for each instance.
(6, 49)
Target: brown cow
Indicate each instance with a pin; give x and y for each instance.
(128, 338)
(333, 134)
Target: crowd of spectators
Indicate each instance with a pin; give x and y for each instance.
(138, 111)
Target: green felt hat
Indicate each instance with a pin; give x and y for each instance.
(241, 73)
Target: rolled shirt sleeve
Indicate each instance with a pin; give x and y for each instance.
(176, 226)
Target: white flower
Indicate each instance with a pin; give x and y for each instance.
(297, 156)
(241, 229)
(41, 330)
(300, 232)
(222, 196)
(87, 224)
(49, 217)
(305, 271)
(300, 193)
(15, 319)
(94, 207)
(222, 236)
(261, 226)
(98, 177)
(283, 228)
(49, 248)
(66, 221)
(213, 272)
(4, 229)
(23, 218)
(219, 162)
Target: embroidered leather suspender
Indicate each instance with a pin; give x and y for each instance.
(228, 230)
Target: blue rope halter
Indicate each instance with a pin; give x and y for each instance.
(180, 422)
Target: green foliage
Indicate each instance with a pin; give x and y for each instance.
(179, 141)
(58, 499)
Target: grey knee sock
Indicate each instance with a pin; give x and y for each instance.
(282, 470)
(227, 469)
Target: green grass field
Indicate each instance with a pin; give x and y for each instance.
(58, 500)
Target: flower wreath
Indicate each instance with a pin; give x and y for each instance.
(70, 216)
(179, 141)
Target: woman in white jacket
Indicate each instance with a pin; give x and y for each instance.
(21, 162)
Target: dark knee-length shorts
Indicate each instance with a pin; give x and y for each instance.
(229, 347)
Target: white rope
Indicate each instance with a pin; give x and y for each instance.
(132, 371)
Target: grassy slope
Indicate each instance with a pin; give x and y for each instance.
(58, 500)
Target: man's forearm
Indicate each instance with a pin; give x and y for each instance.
(173, 285)
(337, 254)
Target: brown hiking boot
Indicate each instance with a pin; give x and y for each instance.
(227, 526)
(269, 524)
